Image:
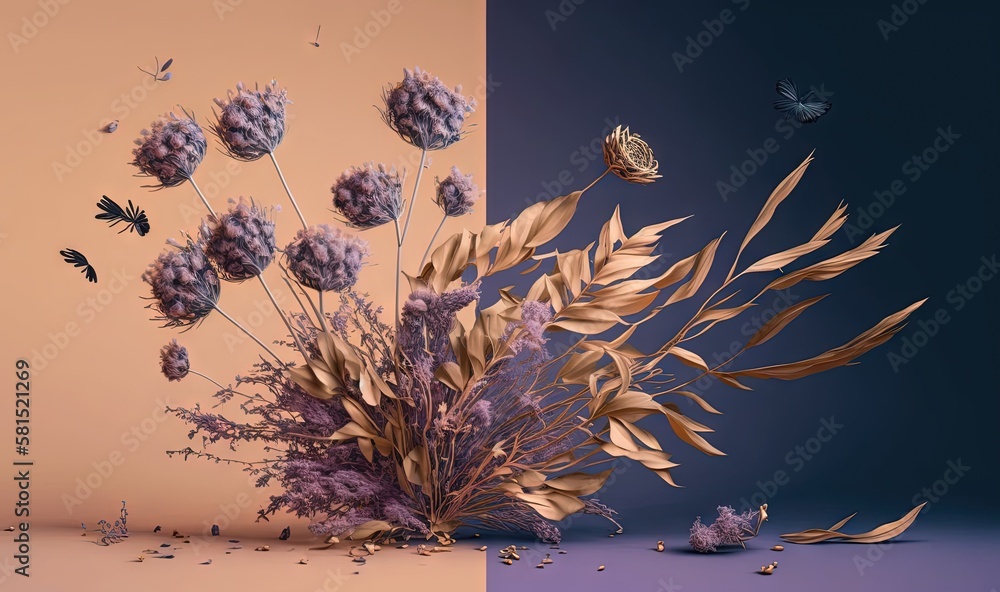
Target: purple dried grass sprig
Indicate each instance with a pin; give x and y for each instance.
(729, 528)
(425, 112)
(170, 150)
(239, 242)
(368, 196)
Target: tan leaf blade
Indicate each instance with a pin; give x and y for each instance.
(876, 535)
(777, 196)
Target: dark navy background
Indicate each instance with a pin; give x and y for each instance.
(563, 71)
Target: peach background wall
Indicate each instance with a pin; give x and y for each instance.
(97, 395)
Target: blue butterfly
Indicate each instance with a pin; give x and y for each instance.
(804, 108)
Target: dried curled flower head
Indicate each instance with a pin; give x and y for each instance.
(424, 112)
(174, 361)
(171, 150)
(185, 286)
(368, 196)
(324, 258)
(252, 122)
(629, 157)
(456, 194)
(240, 242)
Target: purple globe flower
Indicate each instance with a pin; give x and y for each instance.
(171, 151)
(240, 242)
(184, 284)
(252, 122)
(424, 112)
(174, 361)
(324, 258)
(456, 194)
(368, 196)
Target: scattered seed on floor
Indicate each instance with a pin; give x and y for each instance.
(600, 568)
(483, 548)
(508, 562)
(263, 548)
(208, 562)
(303, 561)
(777, 548)
(659, 546)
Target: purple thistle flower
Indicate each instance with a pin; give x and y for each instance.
(369, 196)
(171, 151)
(185, 286)
(456, 194)
(174, 361)
(324, 258)
(424, 112)
(240, 242)
(251, 123)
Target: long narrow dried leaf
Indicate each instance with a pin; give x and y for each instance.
(876, 535)
(702, 265)
(777, 196)
(781, 320)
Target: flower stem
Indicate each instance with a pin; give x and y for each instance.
(594, 182)
(287, 190)
(400, 237)
(281, 313)
(251, 336)
(196, 373)
(431, 244)
(202, 196)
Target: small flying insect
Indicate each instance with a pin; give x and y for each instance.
(77, 259)
(805, 108)
(315, 43)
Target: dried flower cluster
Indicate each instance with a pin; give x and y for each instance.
(428, 421)
(171, 150)
(729, 528)
(252, 122)
(174, 361)
(240, 242)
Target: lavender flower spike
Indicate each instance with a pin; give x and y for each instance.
(171, 150)
(456, 194)
(174, 361)
(185, 286)
(252, 122)
(324, 258)
(368, 196)
(240, 242)
(424, 112)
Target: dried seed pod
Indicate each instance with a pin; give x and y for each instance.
(777, 548)
(540, 566)
(403, 546)
(303, 561)
(142, 558)
(507, 562)
(600, 568)
(563, 552)
(659, 546)
(483, 548)
(546, 561)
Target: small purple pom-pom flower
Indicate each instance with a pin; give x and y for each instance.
(324, 258)
(368, 196)
(456, 194)
(185, 286)
(174, 361)
(240, 242)
(171, 150)
(252, 122)
(424, 112)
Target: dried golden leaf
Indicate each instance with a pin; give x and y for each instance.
(774, 200)
(834, 266)
(451, 375)
(783, 258)
(586, 320)
(781, 320)
(876, 535)
(702, 265)
(579, 483)
(832, 225)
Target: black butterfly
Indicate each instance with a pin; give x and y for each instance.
(804, 108)
(114, 214)
(78, 260)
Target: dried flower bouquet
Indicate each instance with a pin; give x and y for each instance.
(417, 423)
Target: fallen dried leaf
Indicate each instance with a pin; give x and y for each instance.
(876, 535)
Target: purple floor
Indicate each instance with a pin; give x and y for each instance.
(950, 558)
